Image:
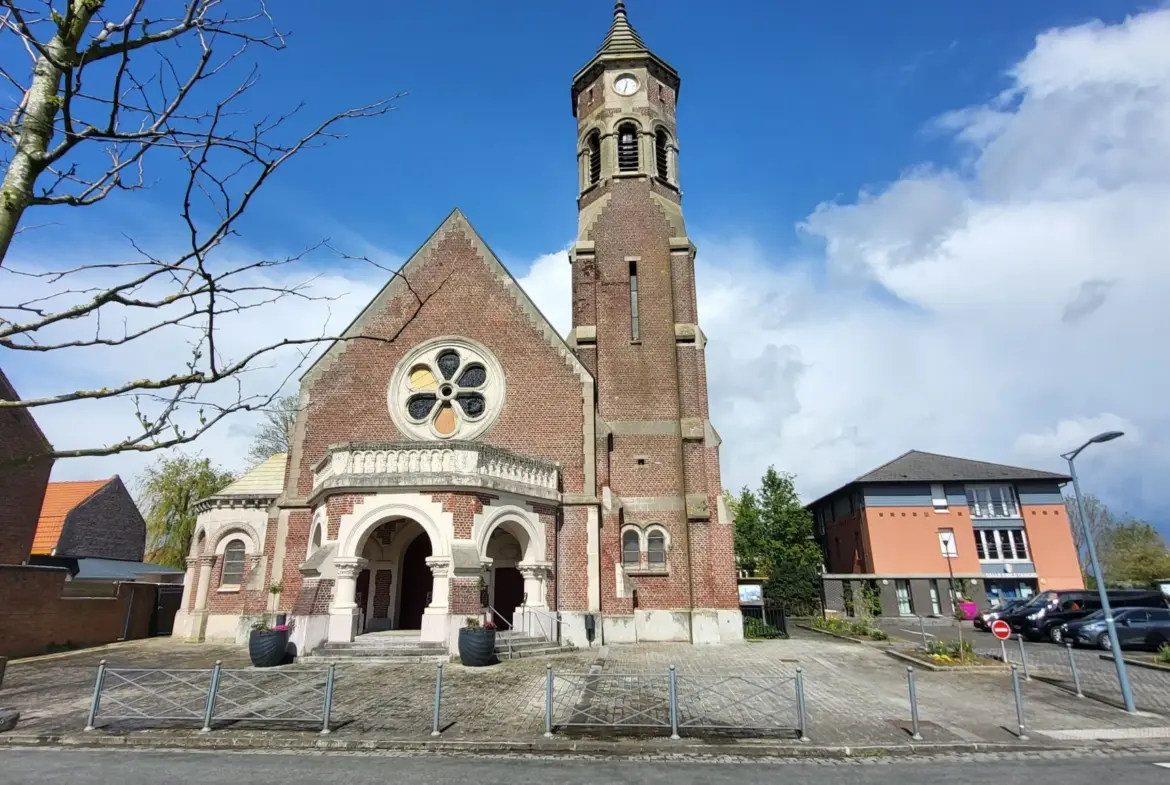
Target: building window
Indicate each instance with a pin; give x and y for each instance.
(635, 324)
(593, 147)
(656, 549)
(992, 501)
(1001, 545)
(935, 607)
(938, 495)
(947, 544)
(631, 548)
(232, 572)
(627, 147)
(662, 154)
(905, 603)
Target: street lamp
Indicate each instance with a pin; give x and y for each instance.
(1118, 660)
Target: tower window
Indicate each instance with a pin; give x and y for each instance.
(635, 327)
(628, 148)
(593, 145)
(661, 153)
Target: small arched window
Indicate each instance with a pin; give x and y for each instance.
(232, 573)
(627, 147)
(662, 154)
(631, 548)
(316, 539)
(656, 548)
(593, 146)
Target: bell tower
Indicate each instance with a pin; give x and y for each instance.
(667, 566)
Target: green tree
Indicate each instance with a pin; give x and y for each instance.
(275, 434)
(774, 538)
(1133, 555)
(167, 492)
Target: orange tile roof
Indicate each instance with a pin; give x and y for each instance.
(60, 499)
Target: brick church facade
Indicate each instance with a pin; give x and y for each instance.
(453, 452)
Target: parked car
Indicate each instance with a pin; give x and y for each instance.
(1045, 614)
(983, 620)
(1137, 628)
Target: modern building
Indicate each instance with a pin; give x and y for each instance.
(909, 527)
(452, 451)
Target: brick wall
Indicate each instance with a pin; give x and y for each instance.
(22, 486)
(34, 615)
(107, 525)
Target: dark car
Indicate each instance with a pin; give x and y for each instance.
(1045, 614)
(983, 621)
(1137, 628)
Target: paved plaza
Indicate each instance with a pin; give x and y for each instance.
(855, 695)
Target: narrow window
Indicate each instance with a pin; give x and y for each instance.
(635, 326)
(628, 148)
(979, 552)
(233, 564)
(593, 145)
(946, 542)
(905, 602)
(631, 548)
(935, 607)
(1021, 544)
(939, 497)
(661, 153)
(656, 549)
(316, 539)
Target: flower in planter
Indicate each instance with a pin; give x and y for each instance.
(280, 628)
(489, 625)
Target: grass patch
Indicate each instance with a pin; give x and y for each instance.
(759, 630)
(853, 628)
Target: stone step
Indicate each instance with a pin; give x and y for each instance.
(366, 653)
(547, 650)
(517, 644)
(340, 658)
(379, 646)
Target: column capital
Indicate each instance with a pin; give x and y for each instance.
(349, 567)
(538, 570)
(206, 560)
(439, 565)
(192, 562)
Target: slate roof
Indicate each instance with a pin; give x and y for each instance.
(918, 466)
(622, 38)
(264, 479)
(116, 570)
(60, 499)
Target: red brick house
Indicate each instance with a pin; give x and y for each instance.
(23, 477)
(454, 449)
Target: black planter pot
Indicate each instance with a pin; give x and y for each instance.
(266, 647)
(477, 647)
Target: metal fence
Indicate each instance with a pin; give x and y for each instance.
(775, 617)
(658, 702)
(207, 696)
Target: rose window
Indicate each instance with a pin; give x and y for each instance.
(446, 390)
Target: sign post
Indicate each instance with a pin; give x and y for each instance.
(1001, 630)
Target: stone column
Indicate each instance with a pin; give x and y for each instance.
(535, 576)
(189, 579)
(434, 621)
(205, 565)
(343, 613)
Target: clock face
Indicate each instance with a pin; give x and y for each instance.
(625, 85)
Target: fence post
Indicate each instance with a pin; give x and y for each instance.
(1022, 735)
(438, 700)
(327, 709)
(548, 701)
(97, 695)
(1072, 664)
(1024, 659)
(211, 692)
(922, 629)
(673, 704)
(801, 714)
(916, 735)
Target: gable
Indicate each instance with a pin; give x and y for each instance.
(60, 499)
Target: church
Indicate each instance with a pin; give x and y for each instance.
(454, 457)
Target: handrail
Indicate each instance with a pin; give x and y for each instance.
(492, 614)
(554, 618)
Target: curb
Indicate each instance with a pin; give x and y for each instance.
(552, 747)
(1139, 663)
(917, 663)
(838, 636)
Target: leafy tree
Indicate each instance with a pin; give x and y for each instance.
(275, 434)
(1133, 555)
(774, 538)
(167, 492)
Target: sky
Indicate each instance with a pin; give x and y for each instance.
(922, 225)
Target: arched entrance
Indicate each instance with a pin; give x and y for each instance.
(507, 584)
(415, 591)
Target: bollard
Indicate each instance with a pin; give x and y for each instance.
(327, 709)
(1022, 734)
(673, 704)
(211, 692)
(916, 735)
(438, 700)
(1024, 659)
(801, 714)
(1072, 664)
(548, 701)
(922, 629)
(97, 695)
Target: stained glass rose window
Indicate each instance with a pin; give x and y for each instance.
(446, 389)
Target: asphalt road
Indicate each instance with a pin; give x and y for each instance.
(128, 767)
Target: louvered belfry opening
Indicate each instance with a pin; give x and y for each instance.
(593, 145)
(627, 148)
(661, 140)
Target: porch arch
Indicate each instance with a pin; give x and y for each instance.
(355, 540)
(519, 523)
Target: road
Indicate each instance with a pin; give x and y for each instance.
(128, 767)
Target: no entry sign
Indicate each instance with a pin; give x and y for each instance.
(1001, 629)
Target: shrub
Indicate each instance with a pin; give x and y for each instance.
(758, 629)
(950, 651)
(1164, 654)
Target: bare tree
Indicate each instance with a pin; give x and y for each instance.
(120, 96)
(275, 434)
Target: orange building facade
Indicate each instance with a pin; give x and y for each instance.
(925, 527)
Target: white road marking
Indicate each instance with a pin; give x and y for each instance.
(1163, 765)
(918, 633)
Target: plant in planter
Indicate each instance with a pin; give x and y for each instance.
(477, 643)
(267, 645)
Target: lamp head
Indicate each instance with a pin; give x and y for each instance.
(1108, 436)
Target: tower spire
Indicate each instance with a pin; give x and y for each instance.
(622, 38)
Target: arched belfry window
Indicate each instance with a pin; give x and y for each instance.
(593, 147)
(662, 154)
(627, 147)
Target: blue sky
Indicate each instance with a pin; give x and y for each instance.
(842, 164)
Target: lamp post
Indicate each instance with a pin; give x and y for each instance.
(1118, 660)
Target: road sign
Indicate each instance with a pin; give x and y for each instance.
(1001, 629)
